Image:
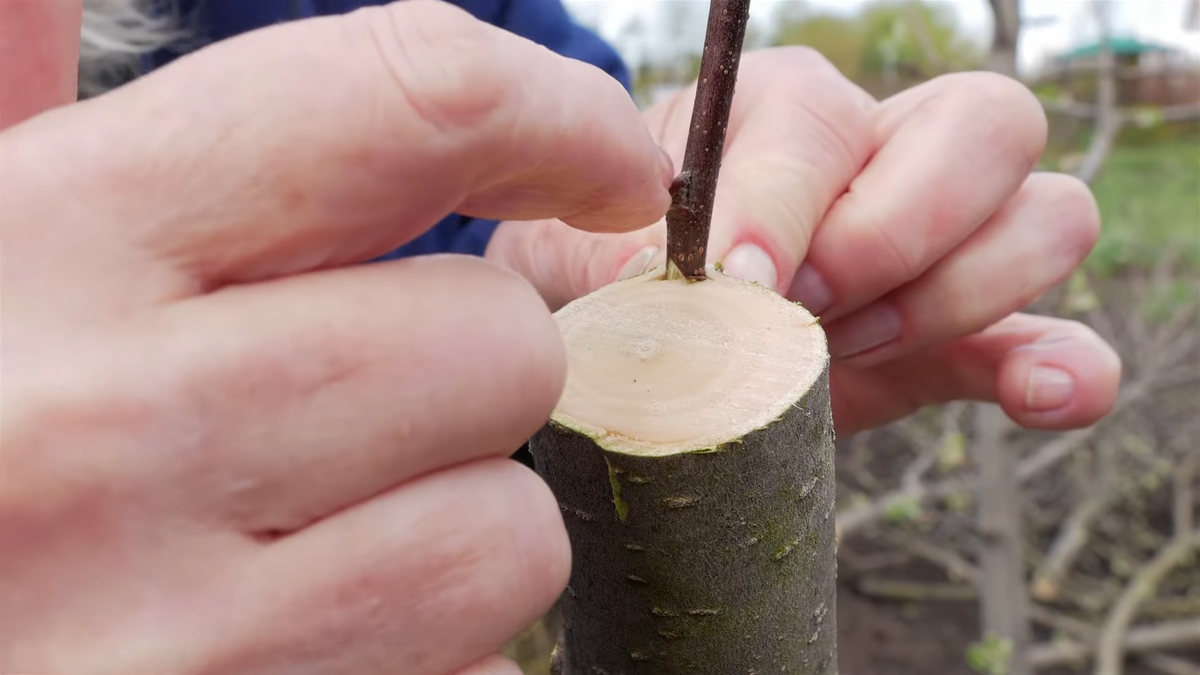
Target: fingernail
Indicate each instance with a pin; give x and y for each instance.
(810, 290)
(1048, 388)
(668, 167)
(750, 263)
(866, 330)
(638, 264)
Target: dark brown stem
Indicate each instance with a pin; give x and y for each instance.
(690, 215)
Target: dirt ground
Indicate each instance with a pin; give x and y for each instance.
(877, 638)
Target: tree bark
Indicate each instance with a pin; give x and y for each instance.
(1003, 611)
(1108, 119)
(1006, 35)
(692, 457)
(694, 190)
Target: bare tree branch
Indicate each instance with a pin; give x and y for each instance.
(1108, 122)
(1073, 534)
(1006, 32)
(1184, 506)
(1170, 665)
(914, 16)
(1143, 639)
(855, 518)
(1182, 112)
(1110, 654)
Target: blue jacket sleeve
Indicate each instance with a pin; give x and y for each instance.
(548, 23)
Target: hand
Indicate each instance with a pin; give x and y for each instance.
(913, 227)
(226, 450)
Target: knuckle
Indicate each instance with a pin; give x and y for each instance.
(790, 58)
(905, 255)
(493, 552)
(79, 425)
(515, 326)
(835, 124)
(548, 560)
(441, 61)
(1007, 110)
(1074, 216)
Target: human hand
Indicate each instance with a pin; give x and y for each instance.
(225, 450)
(913, 227)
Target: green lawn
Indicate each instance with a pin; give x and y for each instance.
(1149, 200)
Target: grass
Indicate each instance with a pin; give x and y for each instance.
(1149, 197)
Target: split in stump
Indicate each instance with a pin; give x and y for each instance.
(692, 456)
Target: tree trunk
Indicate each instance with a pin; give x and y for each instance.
(692, 457)
(1006, 35)
(1003, 610)
(1108, 118)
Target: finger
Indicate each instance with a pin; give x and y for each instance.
(564, 263)
(798, 133)
(39, 56)
(325, 389)
(495, 665)
(1045, 372)
(423, 580)
(1032, 243)
(949, 153)
(324, 142)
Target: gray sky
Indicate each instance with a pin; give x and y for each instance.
(1159, 20)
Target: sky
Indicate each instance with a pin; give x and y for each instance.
(1061, 24)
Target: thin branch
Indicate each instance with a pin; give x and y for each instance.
(1055, 451)
(855, 518)
(1071, 539)
(1170, 635)
(956, 566)
(692, 195)
(1006, 34)
(1073, 534)
(1184, 503)
(1181, 112)
(915, 591)
(1108, 122)
(918, 23)
(1170, 665)
(1110, 654)
(1081, 646)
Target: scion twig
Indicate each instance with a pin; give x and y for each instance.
(692, 195)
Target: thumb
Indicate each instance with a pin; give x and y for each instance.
(565, 263)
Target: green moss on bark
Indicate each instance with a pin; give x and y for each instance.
(723, 562)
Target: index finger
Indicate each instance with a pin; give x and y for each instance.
(327, 142)
(39, 56)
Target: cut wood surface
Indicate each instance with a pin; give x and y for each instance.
(692, 456)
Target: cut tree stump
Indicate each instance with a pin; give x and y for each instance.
(692, 456)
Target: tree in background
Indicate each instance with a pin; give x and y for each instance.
(885, 47)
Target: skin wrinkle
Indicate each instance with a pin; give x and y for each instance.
(448, 38)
